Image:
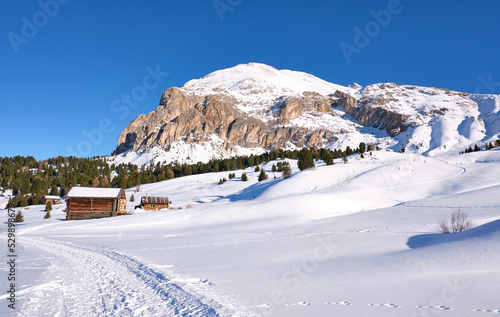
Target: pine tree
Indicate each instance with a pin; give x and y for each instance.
(19, 217)
(262, 175)
(287, 172)
(273, 168)
(244, 177)
(48, 206)
(257, 168)
(47, 215)
(476, 148)
(132, 198)
(328, 157)
(305, 159)
(54, 191)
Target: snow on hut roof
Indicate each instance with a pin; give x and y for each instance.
(94, 192)
(51, 197)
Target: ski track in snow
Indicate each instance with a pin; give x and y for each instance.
(90, 282)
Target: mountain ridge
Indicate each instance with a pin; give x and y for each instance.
(254, 107)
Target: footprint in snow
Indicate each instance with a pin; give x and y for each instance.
(265, 306)
(344, 303)
(299, 304)
(442, 307)
(385, 305)
(488, 310)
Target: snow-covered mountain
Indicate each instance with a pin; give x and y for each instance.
(254, 107)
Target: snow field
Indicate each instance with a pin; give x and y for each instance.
(356, 239)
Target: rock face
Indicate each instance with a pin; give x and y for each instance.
(257, 106)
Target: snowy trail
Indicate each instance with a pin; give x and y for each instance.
(86, 282)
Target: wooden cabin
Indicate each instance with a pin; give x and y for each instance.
(53, 199)
(90, 202)
(154, 203)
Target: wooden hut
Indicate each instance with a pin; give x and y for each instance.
(89, 202)
(154, 203)
(53, 199)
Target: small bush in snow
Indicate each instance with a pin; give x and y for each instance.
(47, 215)
(19, 217)
(222, 181)
(244, 177)
(458, 222)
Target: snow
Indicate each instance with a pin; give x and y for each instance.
(51, 197)
(356, 239)
(182, 152)
(258, 87)
(93, 192)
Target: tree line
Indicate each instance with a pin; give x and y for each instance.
(30, 179)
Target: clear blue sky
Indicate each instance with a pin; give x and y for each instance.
(69, 70)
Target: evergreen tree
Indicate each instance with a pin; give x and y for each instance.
(262, 175)
(287, 172)
(19, 217)
(274, 168)
(344, 159)
(362, 147)
(47, 215)
(305, 159)
(23, 202)
(257, 168)
(327, 157)
(476, 148)
(48, 206)
(54, 190)
(244, 177)
(132, 198)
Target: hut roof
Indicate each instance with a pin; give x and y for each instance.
(81, 192)
(154, 200)
(51, 197)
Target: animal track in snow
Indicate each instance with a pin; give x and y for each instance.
(487, 310)
(385, 305)
(299, 304)
(344, 303)
(442, 307)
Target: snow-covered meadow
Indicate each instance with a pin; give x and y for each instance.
(356, 239)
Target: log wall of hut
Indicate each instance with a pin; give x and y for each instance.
(87, 208)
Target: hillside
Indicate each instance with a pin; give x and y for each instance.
(356, 239)
(254, 107)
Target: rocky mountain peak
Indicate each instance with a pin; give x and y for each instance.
(252, 107)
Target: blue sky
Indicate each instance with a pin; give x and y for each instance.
(65, 68)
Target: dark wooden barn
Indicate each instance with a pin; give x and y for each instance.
(89, 202)
(154, 203)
